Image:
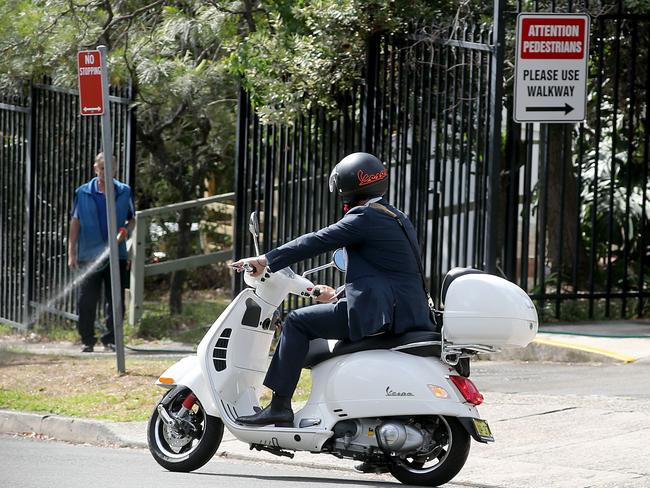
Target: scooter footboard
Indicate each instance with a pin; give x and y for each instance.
(187, 372)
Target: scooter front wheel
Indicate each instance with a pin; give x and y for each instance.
(448, 452)
(190, 442)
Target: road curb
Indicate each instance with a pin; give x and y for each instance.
(561, 351)
(591, 350)
(62, 428)
(115, 434)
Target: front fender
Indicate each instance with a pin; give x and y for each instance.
(187, 373)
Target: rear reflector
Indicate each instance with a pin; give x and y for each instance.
(167, 381)
(467, 389)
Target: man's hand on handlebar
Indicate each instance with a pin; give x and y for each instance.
(325, 294)
(253, 266)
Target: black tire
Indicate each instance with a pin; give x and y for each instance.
(416, 472)
(190, 452)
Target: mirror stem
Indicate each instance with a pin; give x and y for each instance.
(316, 269)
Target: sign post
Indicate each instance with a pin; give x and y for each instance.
(93, 94)
(551, 67)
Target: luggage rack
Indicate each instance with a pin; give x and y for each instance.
(451, 353)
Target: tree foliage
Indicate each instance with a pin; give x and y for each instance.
(185, 60)
(172, 53)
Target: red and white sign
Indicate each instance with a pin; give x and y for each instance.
(91, 100)
(551, 67)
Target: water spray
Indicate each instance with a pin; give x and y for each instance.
(99, 264)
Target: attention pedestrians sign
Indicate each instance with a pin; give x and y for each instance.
(91, 100)
(551, 67)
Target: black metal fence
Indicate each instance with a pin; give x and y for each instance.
(559, 209)
(576, 196)
(46, 150)
(425, 110)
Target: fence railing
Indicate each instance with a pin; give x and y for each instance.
(425, 110)
(141, 269)
(562, 210)
(46, 150)
(576, 200)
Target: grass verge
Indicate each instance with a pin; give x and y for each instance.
(79, 387)
(90, 387)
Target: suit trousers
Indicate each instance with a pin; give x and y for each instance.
(89, 293)
(322, 321)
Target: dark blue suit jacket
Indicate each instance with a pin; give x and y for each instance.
(382, 284)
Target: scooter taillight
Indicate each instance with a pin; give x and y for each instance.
(467, 389)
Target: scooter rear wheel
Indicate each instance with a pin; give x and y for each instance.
(178, 450)
(443, 462)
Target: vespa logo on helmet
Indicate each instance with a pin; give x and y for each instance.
(366, 179)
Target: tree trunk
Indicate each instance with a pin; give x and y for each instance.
(182, 250)
(565, 247)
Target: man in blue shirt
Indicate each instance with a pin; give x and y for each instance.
(88, 243)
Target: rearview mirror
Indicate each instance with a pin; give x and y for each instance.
(253, 225)
(340, 259)
(254, 229)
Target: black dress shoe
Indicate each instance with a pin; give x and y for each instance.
(368, 467)
(278, 412)
(87, 349)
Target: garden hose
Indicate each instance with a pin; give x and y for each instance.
(160, 351)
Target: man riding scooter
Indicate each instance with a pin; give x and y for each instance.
(384, 292)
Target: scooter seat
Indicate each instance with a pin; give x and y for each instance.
(420, 342)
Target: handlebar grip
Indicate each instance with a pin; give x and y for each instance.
(316, 292)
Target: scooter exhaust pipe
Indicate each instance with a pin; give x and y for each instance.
(164, 416)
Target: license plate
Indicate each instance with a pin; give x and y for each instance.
(482, 428)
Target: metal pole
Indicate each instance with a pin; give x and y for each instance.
(241, 194)
(116, 287)
(496, 105)
(30, 185)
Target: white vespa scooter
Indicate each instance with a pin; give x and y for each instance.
(405, 400)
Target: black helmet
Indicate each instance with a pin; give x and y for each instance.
(358, 176)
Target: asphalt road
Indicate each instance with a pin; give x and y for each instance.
(556, 426)
(32, 463)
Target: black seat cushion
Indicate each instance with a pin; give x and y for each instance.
(451, 275)
(319, 349)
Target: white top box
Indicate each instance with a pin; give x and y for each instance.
(483, 309)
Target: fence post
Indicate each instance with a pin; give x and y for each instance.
(130, 150)
(137, 269)
(370, 89)
(30, 165)
(494, 154)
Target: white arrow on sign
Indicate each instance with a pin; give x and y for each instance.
(92, 109)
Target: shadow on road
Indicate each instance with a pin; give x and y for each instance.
(306, 479)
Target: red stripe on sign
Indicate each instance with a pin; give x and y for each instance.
(546, 38)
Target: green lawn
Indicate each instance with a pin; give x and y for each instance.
(90, 387)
